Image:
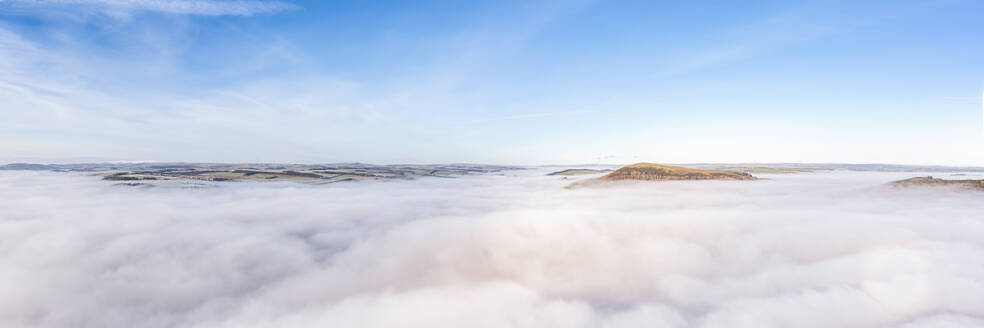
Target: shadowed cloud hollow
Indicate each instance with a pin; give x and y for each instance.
(514, 250)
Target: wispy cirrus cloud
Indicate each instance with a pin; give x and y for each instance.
(180, 7)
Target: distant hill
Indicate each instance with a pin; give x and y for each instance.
(26, 167)
(659, 172)
(935, 182)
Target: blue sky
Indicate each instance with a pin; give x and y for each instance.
(491, 82)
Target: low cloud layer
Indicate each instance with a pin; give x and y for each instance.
(805, 250)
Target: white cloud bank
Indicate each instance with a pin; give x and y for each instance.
(812, 250)
(184, 7)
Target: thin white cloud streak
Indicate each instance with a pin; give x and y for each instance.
(46, 95)
(810, 250)
(182, 7)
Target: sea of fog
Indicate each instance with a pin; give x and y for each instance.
(836, 249)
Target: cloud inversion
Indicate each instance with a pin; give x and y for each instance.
(808, 250)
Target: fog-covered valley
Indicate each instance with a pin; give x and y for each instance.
(514, 249)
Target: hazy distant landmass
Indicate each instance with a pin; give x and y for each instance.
(811, 167)
(137, 173)
(28, 167)
(762, 169)
(133, 174)
(744, 167)
(579, 172)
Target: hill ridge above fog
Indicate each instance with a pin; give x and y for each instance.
(659, 172)
(930, 181)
